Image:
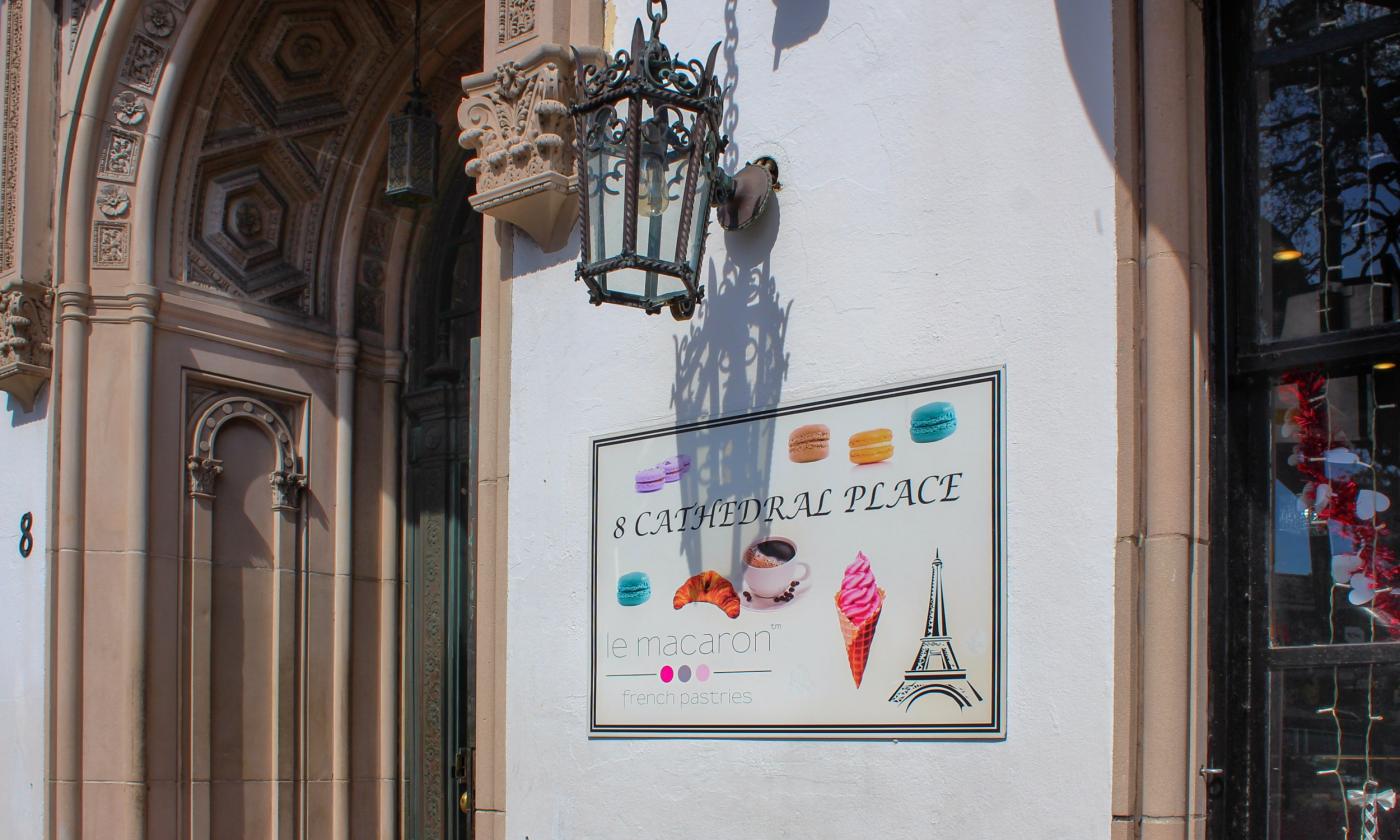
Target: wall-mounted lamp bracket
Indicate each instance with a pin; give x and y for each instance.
(741, 199)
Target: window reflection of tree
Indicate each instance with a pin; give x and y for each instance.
(1328, 78)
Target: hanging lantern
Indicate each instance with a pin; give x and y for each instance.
(413, 138)
(647, 154)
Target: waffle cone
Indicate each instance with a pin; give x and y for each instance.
(859, 636)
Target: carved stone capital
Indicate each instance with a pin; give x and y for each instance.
(286, 489)
(203, 473)
(26, 343)
(517, 119)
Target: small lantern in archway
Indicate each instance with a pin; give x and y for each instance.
(647, 153)
(413, 138)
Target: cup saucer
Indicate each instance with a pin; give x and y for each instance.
(762, 603)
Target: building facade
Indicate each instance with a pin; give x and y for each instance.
(303, 532)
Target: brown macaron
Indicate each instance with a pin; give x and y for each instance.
(809, 443)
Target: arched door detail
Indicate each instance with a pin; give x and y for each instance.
(244, 616)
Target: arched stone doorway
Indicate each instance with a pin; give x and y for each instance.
(252, 348)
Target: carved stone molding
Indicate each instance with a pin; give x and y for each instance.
(129, 109)
(515, 21)
(144, 61)
(119, 155)
(517, 119)
(160, 20)
(111, 245)
(26, 346)
(113, 201)
(287, 478)
(10, 104)
(286, 489)
(203, 473)
(263, 158)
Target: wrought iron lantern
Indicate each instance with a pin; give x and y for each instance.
(413, 138)
(648, 143)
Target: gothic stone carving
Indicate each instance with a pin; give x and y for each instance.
(203, 473)
(119, 155)
(282, 90)
(286, 478)
(517, 119)
(305, 63)
(76, 11)
(255, 219)
(515, 20)
(160, 19)
(113, 201)
(128, 109)
(26, 348)
(111, 244)
(286, 489)
(374, 253)
(10, 131)
(144, 61)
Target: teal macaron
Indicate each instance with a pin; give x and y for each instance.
(932, 422)
(633, 589)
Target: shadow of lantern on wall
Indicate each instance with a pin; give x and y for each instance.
(647, 153)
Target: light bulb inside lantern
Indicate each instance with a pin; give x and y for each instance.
(1287, 255)
(652, 199)
(1383, 366)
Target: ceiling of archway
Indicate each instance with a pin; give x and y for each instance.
(280, 107)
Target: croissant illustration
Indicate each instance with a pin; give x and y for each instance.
(710, 588)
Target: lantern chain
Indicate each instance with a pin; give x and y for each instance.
(417, 44)
(656, 10)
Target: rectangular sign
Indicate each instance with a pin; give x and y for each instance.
(833, 569)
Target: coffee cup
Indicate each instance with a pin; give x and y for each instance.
(770, 568)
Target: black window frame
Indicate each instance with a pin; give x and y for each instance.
(1241, 365)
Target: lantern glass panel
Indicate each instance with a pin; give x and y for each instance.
(701, 218)
(607, 184)
(664, 162)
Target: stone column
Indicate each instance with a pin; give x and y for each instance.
(515, 116)
(1163, 548)
(26, 188)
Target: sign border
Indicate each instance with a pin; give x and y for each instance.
(993, 731)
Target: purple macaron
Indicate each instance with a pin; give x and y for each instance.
(676, 467)
(651, 479)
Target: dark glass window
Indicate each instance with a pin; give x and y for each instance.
(1307, 336)
(1326, 78)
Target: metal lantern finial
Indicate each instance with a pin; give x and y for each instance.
(413, 137)
(647, 153)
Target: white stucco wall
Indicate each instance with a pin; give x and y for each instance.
(947, 205)
(24, 446)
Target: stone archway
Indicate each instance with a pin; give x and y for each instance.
(233, 248)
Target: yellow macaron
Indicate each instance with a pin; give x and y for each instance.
(872, 446)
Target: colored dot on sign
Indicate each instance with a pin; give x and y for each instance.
(667, 673)
(684, 673)
(702, 673)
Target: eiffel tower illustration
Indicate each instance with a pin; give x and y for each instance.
(935, 669)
